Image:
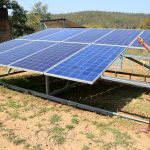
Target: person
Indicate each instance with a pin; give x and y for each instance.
(143, 43)
(147, 46)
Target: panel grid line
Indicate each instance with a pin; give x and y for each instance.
(108, 66)
(71, 36)
(44, 36)
(105, 35)
(136, 38)
(70, 56)
(21, 45)
(118, 56)
(84, 65)
(37, 51)
(48, 58)
(32, 54)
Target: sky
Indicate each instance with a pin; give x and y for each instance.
(65, 6)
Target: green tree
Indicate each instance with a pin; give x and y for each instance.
(145, 24)
(5, 4)
(38, 12)
(18, 21)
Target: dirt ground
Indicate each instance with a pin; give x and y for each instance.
(31, 123)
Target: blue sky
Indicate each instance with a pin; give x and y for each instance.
(65, 6)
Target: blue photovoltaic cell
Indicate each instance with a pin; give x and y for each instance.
(49, 57)
(61, 60)
(41, 34)
(64, 34)
(88, 64)
(90, 35)
(11, 44)
(18, 53)
(120, 37)
(146, 36)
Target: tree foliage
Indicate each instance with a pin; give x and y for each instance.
(38, 12)
(18, 18)
(18, 21)
(145, 24)
(105, 19)
(5, 4)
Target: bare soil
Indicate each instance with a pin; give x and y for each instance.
(27, 122)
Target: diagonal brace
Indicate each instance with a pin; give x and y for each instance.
(68, 85)
(138, 62)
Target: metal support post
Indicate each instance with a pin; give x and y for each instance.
(121, 62)
(9, 70)
(65, 23)
(47, 84)
(43, 27)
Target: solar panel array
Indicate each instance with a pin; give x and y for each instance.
(75, 54)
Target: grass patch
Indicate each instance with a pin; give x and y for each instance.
(58, 135)
(107, 146)
(102, 126)
(69, 127)
(121, 138)
(2, 108)
(75, 120)
(89, 135)
(55, 118)
(85, 147)
(11, 103)
(74, 115)
(37, 147)
(13, 138)
(44, 110)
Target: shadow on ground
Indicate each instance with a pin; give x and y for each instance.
(102, 94)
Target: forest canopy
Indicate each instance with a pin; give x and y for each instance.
(104, 19)
(23, 22)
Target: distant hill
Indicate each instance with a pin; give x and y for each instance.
(102, 19)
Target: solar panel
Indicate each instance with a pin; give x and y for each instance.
(18, 53)
(49, 57)
(146, 36)
(42, 33)
(11, 45)
(87, 65)
(90, 36)
(120, 37)
(80, 55)
(65, 34)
